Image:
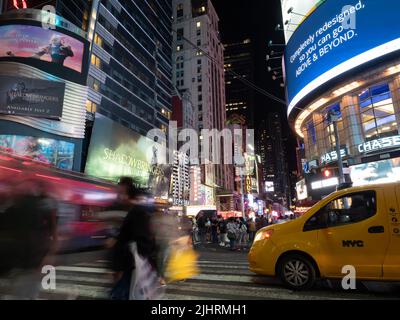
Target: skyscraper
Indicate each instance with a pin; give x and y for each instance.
(239, 63)
(199, 68)
(130, 74)
(271, 147)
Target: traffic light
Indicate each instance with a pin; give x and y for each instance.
(327, 173)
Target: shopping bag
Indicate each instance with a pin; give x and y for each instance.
(182, 264)
(145, 283)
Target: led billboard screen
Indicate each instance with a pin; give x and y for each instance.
(116, 151)
(384, 171)
(337, 37)
(54, 152)
(34, 42)
(31, 97)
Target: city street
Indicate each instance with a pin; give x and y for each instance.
(224, 276)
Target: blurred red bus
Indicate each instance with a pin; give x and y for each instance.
(78, 199)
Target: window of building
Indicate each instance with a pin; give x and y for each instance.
(198, 24)
(199, 79)
(377, 112)
(199, 69)
(200, 107)
(179, 47)
(95, 60)
(198, 61)
(179, 10)
(179, 34)
(182, 82)
(329, 127)
(200, 88)
(200, 97)
(91, 106)
(198, 32)
(98, 40)
(198, 42)
(345, 210)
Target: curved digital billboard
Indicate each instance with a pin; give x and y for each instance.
(339, 36)
(43, 44)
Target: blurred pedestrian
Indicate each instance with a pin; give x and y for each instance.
(136, 228)
(242, 233)
(222, 232)
(28, 238)
(252, 230)
(208, 230)
(195, 232)
(201, 224)
(232, 231)
(214, 230)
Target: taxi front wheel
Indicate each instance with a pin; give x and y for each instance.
(297, 272)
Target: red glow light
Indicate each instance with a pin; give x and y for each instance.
(10, 169)
(327, 173)
(17, 3)
(47, 177)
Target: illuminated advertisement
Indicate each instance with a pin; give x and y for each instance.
(116, 151)
(269, 186)
(24, 41)
(207, 196)
(54, 152)
(295, 12)
(384, 171)
(301, 189)
(338, 37)
(27, 4)
(31, 97)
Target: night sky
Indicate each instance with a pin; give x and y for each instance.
(257, 19)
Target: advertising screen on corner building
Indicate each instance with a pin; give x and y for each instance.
(338, 36)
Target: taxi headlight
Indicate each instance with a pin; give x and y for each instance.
(263, 235)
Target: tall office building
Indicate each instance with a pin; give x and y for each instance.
(271, 147)
(239, 63)
(198, 65)
(130, 74)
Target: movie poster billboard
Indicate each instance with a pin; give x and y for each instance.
(34, 42)
(49, 151)
(31, 97)
(116, 151)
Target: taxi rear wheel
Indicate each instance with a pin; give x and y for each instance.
(297, 272)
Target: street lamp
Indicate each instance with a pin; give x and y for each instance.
(334, 117)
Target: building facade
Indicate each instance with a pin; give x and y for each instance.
(130, 65)
(198, 65)
(43, 80)
(239, 62)
(360, 100)
(271, 148)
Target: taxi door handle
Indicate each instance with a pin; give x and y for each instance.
(376, 229)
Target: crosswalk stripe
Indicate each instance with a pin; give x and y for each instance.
(83, 269)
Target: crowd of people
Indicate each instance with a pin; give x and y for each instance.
(234, 233)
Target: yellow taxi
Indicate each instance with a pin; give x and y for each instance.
(357, 227)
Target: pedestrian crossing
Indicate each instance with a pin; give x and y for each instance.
(218, 280)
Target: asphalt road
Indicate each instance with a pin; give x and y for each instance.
(224, 276)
